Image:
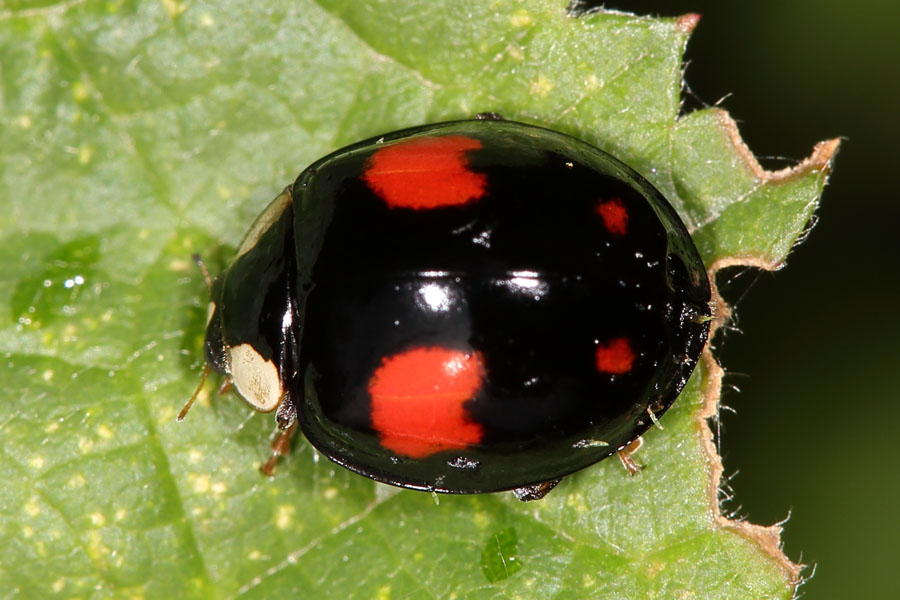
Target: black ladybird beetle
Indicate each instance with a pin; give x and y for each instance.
(465, 307)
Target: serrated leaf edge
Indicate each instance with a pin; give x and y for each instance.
(819, 161)
(767, 538)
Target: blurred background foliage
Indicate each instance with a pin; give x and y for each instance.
(816, 357)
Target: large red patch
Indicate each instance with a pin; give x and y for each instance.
(418, 400)
(424, 173)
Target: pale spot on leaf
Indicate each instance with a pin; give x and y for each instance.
(542, 86)
(515, 52)
(482, 519)
(383, 593)
(285, 516)
(173, 8)
(85, 153)
(200, 483)
(32, 507)
(179, 265)
(79, 91)
(521, 18)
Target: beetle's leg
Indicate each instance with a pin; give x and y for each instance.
(199, 262)
(190, 402)
(286, 417)
(626, 456)
(225, 386)
(489, 116)
(280, 445)
(536, 491)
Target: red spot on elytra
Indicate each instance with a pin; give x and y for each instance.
(614, 215)
(424, 173)
(615, 356)
(418, 399)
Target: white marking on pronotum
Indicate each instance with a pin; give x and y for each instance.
(254, 378)
(210, 311)
(264, 221)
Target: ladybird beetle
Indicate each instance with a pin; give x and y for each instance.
(463, 307)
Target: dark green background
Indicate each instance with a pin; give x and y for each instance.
(814, 434)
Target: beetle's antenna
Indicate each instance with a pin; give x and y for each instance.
(203, 270)
(196, 393)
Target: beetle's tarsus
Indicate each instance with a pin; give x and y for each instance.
(536, 491)
(280, 445)
(225, 386)
(489, 116)
(626, 457)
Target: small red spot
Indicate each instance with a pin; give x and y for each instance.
(614, 215)
(417, 400)
(424, 173)
(615, 356)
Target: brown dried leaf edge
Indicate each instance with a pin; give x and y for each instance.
(767, 537)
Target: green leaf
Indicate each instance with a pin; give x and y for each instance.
(137, 133)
